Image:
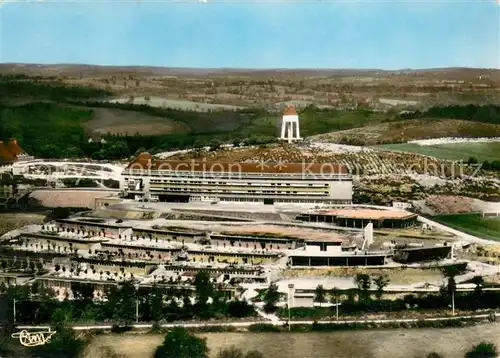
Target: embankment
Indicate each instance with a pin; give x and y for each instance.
(73, 198)
(13, 221)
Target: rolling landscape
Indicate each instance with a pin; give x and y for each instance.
(53, 110)
(193, 105)
(249, 179)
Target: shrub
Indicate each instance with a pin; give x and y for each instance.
(482, 350)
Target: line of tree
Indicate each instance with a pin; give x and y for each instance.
(124, 304)
(486, 114)
(363, 298)
(485, 165)
(22, 86)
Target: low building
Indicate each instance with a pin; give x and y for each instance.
(142, 251)
(359, 218)
(15, 278)
(247, 257)
(98, 228)
(11, 152)
(255, 242)
(311, 259)
(183, 236)
(421, 254)
(55, 243)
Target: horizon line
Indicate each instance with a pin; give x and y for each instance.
(251, 69)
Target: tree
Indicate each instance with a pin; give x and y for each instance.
(215, 144)
(156, 303)
(364, 282)
(271, 298)
(450, 272)
(62, 315)
(472, 160)
(203, 287)
(122, 302)
(254, 354)
(335, 298)
(434, 355)
(82, 291)
(381, 282)
(334, 295)
(482, 350)
(320, 295)
(179, 343)
(240, 309)
(478, 281)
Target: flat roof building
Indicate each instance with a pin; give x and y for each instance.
(359, 218)
(185, 181)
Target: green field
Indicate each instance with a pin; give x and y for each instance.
(472, 224)
(489, 151)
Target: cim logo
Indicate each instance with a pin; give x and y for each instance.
(32, 339)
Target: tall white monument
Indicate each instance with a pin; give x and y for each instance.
(367, 236)
(290, 125)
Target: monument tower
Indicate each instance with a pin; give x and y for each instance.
(290, 125)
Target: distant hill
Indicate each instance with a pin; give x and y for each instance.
(95, 70)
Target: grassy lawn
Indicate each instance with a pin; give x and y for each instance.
(473, 224)
(482, 151)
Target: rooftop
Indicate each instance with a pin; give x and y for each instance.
(290, 111)
(10, 151)
(146, 161)
(83, 222)
(275, 231)
(366, 214)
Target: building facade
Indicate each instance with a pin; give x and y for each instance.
(269, 183)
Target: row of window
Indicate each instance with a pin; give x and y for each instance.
(240, 189)
(229, 192)
(238, 175)
(164, 181)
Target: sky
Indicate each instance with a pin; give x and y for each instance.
(253, 33)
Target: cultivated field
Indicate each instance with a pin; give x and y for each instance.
(406, 130)
(237, 87)
(116, 121)
(176, 104)
(489, 151)
(473, 224)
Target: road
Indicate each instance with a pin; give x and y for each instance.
(273, 322)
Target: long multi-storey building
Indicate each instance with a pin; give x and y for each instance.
(185, 181)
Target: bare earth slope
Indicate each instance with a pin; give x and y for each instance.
(406, 130)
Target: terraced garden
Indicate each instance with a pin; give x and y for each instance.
(363, 163)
